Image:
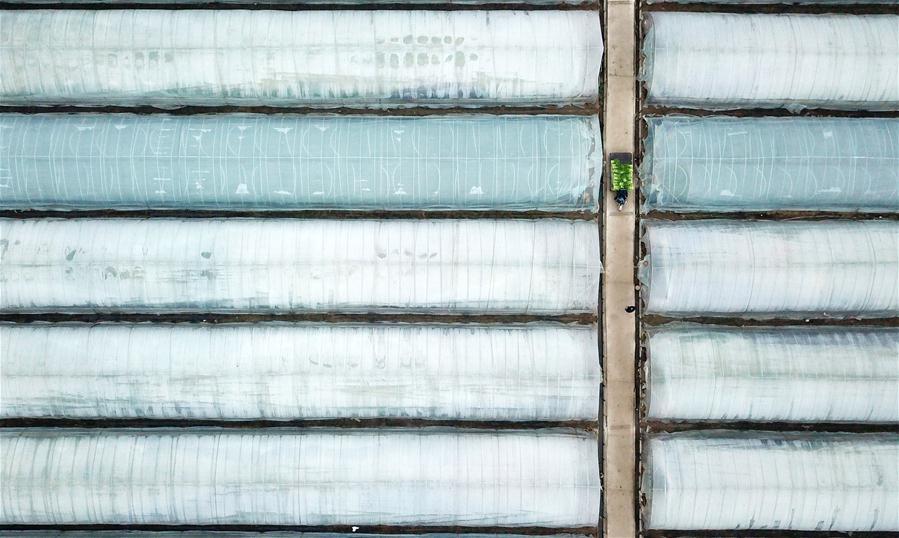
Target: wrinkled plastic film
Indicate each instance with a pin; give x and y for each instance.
(276, 265)
(801, 2)
(770, 164)
(299, 477)
(261, 162)
(771, 269)
(171, 58)
(300, 371)
(775, 374)
(722, 60)
(311, 2)
(757, 480)
(254, 534)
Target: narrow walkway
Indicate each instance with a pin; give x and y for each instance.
(619, 293)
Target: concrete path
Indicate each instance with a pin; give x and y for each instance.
(618, 325)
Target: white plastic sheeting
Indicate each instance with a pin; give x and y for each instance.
(720, 60)
(258, 534)
(765, 268)
(814, 482)
(241, 161)
(300, 371)
(299, 477)
(171, 58)
(742, 164)
(774, 374)
(804, 2)
(311, 2)
(542, 266)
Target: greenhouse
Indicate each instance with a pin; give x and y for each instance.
(171, 58)
(315, 477)
(801, 374)
(723, 164)
(771, 269)
(758, 480)
(276, 265)
(726, 61)
(224, 372)
(291, 162)
(449, 268)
